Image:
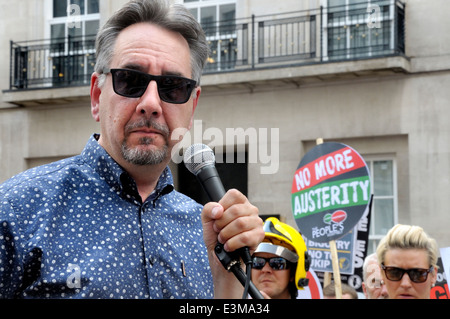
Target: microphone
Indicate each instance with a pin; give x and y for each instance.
(199, 159)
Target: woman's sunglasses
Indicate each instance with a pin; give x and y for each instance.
(171, 88)
(276, 263)
(417, 275)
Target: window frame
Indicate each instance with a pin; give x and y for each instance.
(348, 23)
(64, 20)
(221, 43)
(374, 237)
(82, 56)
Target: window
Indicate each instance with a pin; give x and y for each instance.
(349, 32)
(73, 27)
(384, 206)
(217, 18)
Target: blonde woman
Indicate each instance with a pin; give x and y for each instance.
(408, 258)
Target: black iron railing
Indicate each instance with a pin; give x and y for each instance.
(52, 63)
(326, 34)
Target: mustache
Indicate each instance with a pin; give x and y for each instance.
(150, 124)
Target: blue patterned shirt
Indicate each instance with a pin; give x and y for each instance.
(77, 228)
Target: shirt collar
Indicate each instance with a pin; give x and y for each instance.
(116, 177)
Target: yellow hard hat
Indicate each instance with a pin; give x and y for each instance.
(285, 241)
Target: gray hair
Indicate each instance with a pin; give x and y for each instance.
(175, 18)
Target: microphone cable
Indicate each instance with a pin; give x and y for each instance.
(199, 159)
(247, 259)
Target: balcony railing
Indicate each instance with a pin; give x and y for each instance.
(326, 34)
(52, 63)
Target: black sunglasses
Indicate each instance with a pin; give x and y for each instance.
(417, 275)
(276, 263)
(171, 88)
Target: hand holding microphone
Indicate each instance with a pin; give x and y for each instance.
(230, 219)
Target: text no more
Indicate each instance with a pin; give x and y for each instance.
(312, 193)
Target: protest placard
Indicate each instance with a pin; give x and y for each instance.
(331, 191)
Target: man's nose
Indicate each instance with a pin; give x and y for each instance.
(149, 102)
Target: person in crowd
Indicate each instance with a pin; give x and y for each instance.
(373, 285)
(281, 261)
(348, 292)
(108, 223)
(408, 259)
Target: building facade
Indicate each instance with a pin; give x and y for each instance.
(374, 75)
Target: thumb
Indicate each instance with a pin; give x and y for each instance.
(210, 213)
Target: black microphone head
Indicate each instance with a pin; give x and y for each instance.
(198, 156)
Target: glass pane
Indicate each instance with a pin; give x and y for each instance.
(357, 13)
(93, 6)
(207, 20)
(384, 215)
(337, 41)
(227, 19)
(194, 13)
(358, 4)
(80, 4)
(58, 70)
(228, 54)
(57, 32)
(213, 57)
(380, 37)
(359, 40)
(90, 60)
(372, 246)
(334, 5)
(59, 8)
(227, 12)
(208, 14)
(383, 178)
(91, 27)
(76, 32)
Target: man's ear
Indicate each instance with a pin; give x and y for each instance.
(95, 96)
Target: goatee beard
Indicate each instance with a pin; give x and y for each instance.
(138, 156)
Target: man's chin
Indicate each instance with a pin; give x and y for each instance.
(145, 154)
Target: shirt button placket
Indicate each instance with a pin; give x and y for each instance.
(149, 259)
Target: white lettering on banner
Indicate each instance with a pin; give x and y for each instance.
(320, 263)
(303, 178)
(350, 247)
(342, 245)
(360, 247)
(332, 164)
(363, 223)
(329, 230)
(330, 196)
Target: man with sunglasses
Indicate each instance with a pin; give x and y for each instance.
(108, 223)
(281, 261)
(408, 259)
